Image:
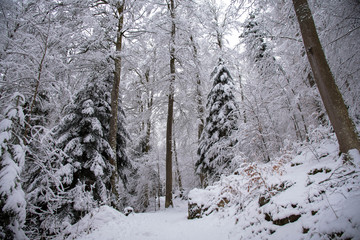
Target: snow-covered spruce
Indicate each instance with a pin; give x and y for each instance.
(12, 153)
(216, 143)
(83, 136)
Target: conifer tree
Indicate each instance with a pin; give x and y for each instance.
(255, 36)
(12, 158)
(83, 135)
(216, 143)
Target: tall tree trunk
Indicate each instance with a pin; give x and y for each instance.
(170, 117)
(115, 102)
(178, 170)
(159, 189)
(149, 108)
(199, 97)
(263, 147)
(200, 106)
(242, 96)
(329, 92)
(199, 100)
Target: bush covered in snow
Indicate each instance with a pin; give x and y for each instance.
(91, 222)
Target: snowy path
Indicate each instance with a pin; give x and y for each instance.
(169, 224)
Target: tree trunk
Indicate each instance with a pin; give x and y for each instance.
(242, 96)
(264, 149)
(178, 177)
(329, 92)
(159, 185)
(148, 123)
(199, 100)
(115, 102)
(170, 118)
(198, 97)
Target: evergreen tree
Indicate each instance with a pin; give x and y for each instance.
(12, 153)
(216, 143)
(83, 136)
(255, 36)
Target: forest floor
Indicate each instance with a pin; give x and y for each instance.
(167, 224)
(309, 195)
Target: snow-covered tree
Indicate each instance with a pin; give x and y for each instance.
(46, 179)
(83, 136)
(274, 100)
(148, 186)
(335, 106)
(216, 148)
(12, 153)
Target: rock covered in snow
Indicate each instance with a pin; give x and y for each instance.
(128, 211)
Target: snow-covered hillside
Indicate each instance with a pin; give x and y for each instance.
(315, 195)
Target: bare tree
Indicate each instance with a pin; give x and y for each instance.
(330, 94)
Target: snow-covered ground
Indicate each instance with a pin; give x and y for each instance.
(106, 223)
(310, 194)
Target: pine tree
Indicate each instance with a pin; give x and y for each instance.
(216, 143)
(83, 135)
(12, 153)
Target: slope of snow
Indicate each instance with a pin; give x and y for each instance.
(315, 195)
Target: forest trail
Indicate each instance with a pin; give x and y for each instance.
(166, 224)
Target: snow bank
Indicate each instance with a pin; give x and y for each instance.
(314, 195)
(98, 222)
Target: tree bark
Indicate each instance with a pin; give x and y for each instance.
(159, 190)
(178, 177)
(242, 96)
(199, 101)
(168, 185)
(149, 108)
(199, 97)
(329, 92)
(115, 102)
